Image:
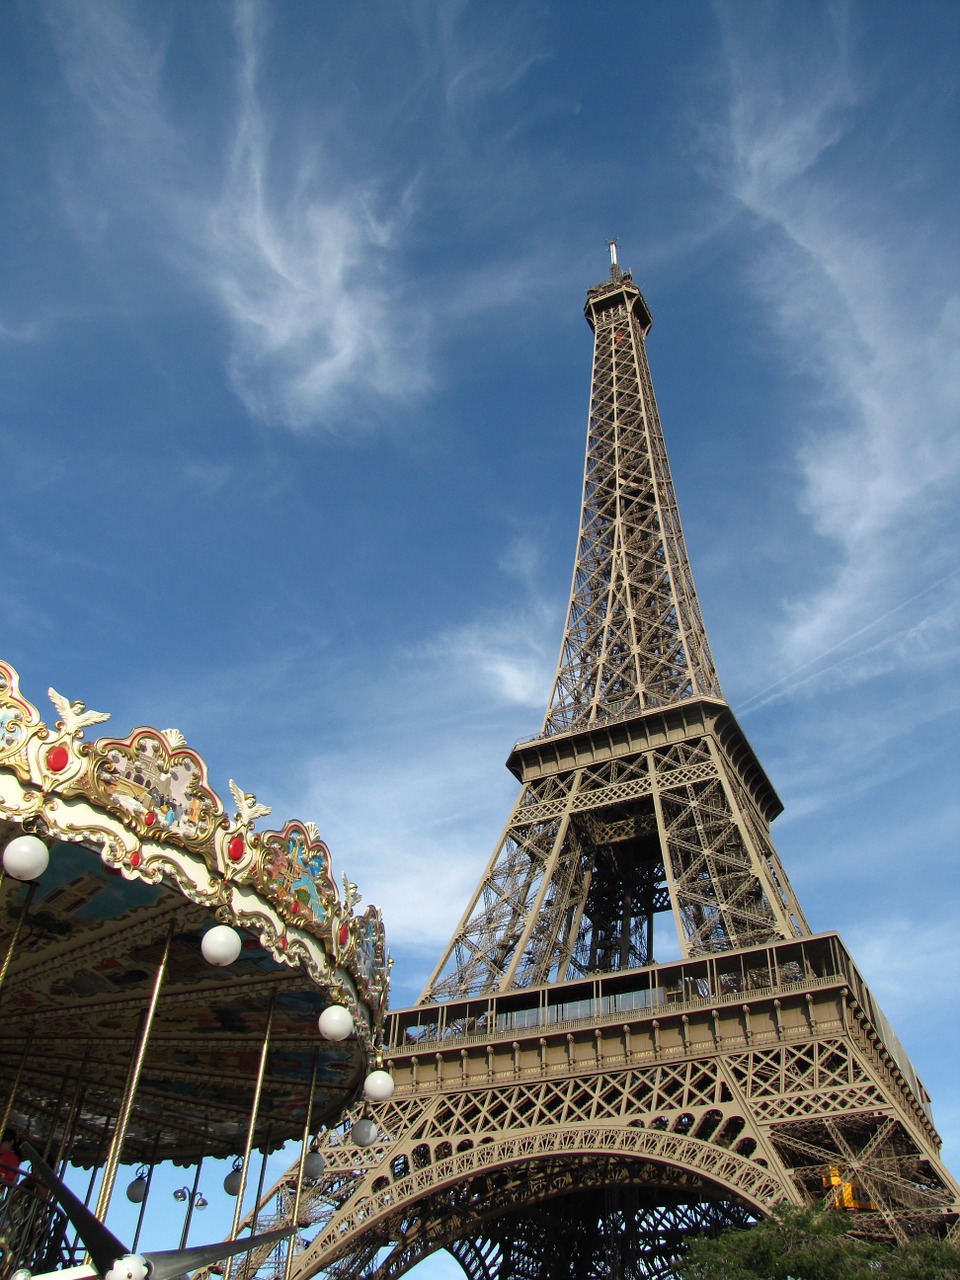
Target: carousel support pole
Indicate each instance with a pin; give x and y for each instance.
(16, 1083)
(128, 1081)
(102, 1140)
(31, 889)
(96, 1162)
(73, 1118)
(45, 1153)
(146, 1192)
(123, 1120)
(254, 1112)
(261, 1181)
(288, 1270)
(75, 1247)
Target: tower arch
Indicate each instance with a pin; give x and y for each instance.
(451, 1201)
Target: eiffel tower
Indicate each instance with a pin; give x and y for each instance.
(565, 1106)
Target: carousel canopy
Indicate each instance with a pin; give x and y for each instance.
(147, 871)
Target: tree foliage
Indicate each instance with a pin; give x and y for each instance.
(815, 1244)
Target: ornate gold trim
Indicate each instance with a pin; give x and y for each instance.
(145, 804)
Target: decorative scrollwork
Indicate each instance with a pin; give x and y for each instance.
(19, 720)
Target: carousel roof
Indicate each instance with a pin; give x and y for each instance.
(142, 850)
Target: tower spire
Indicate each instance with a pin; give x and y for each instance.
(634, 637)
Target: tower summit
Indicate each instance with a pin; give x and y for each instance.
(566, 1106)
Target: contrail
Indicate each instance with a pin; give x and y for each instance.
(786, 680)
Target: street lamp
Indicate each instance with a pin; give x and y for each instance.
(193, 1199)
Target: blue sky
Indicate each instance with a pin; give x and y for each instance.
(295, 378)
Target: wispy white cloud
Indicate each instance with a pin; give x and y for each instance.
(28, 332)
(294, 261)
(114, 69)
(909, 963)
(407, 812)
(413, 797)
(868, 310)
(472, 60)
(300, 248)
(208, 478)
(296, 268)
(522, 559)
(507, 658)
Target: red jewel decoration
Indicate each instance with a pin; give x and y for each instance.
(135, 859)
(235, 849)
(344, 934)
(57, 759)
(149, 818)
(294, 906)
(282, 944)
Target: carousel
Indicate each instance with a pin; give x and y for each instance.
(176, 986)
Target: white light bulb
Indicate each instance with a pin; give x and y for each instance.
(335, 1022)
(221, 945)
(130, 1267)
(137, 1190)
(26, 858)
(378, 1086)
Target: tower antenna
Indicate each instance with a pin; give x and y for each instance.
(614, 265)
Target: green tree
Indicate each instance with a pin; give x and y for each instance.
(815, 1244)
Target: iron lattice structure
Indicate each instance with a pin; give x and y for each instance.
(641, 794)
(565, 1106)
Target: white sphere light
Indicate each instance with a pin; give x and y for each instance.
(137, 1190)
(231, 1183)
(335, 1022)
(26, 858)
(364, 1133)
(312, 1165)
(378, 1086)
(221, 945)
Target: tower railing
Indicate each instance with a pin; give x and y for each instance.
(725, 976)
